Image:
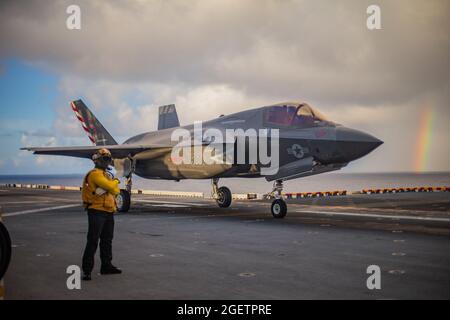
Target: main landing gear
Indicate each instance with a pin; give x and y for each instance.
(279, 207)
(123, 199)
(223, 198)
(222, 195)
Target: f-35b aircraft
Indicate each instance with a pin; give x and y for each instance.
(299, 139)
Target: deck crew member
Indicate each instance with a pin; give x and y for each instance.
(98, 192)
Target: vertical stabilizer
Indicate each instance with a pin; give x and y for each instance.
(168, 117)
(94, 129)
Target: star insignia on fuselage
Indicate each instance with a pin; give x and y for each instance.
(297, 151)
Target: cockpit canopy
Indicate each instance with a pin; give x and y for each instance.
(297, 115)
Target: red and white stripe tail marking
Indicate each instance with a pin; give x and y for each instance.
(83, 123)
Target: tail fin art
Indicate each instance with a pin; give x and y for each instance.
(94, 129)
(168, 117)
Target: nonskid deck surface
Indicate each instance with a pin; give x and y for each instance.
(188, 248)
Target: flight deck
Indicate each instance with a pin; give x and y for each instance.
(188, 248)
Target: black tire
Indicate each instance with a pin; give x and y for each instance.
(225, 197)
(123, 201)
(279, 208)
(5, 250)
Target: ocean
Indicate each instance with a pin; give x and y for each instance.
(321, 182)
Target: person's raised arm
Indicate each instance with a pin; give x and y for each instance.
(111, 186)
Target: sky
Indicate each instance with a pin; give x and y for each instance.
(223, 56)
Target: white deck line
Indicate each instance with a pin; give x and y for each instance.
(18, 213)
(372, 215)
(169, 202)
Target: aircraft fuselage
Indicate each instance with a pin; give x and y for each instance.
(304, 148)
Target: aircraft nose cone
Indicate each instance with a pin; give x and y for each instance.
(354, 144)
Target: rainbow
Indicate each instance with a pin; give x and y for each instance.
(423, 139)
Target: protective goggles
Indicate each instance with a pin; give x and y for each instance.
(106, 158)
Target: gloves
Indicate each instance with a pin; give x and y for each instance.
(100, 191)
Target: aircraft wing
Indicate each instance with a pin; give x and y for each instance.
(117, 151)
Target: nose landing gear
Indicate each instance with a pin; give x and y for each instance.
(279, 206)
(222, 195)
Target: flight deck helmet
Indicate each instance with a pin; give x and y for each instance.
(102, 158)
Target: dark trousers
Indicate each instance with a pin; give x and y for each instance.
(101, 227)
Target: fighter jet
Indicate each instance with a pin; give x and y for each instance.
(296, 137)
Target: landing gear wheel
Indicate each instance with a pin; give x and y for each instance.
(224, 197)
(5, 250)
(123, 201)
(279, 208)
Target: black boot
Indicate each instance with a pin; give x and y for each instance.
(87, 277)
(110, 270)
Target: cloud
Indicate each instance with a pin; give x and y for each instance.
(396, 124)
(215, 57)
(110, 102)
(25, 162)
(40, 132)
(30, 140)
(319, 50)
